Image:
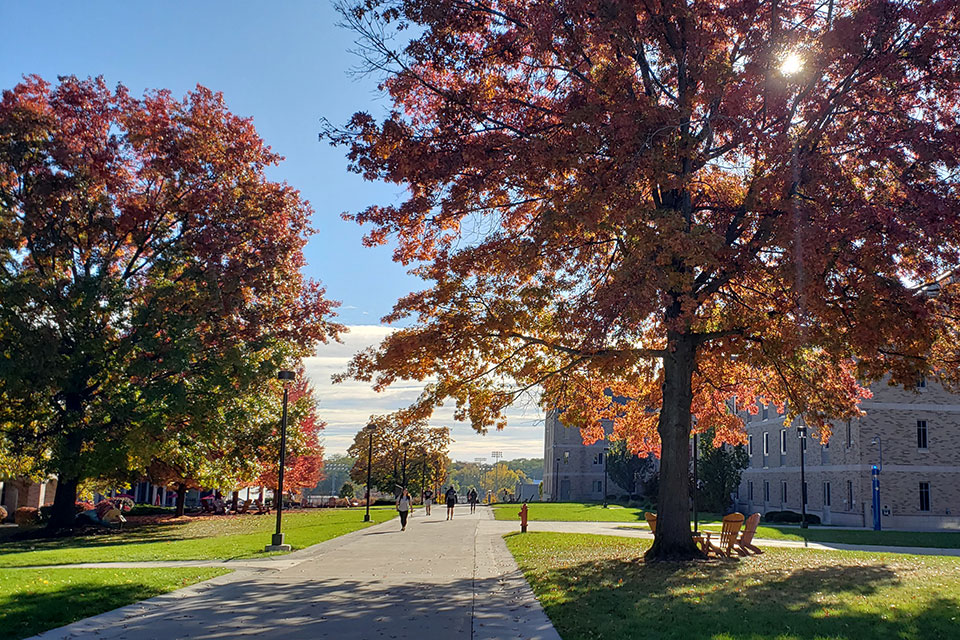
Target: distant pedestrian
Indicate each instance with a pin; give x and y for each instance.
(403, 506)
(427, 500)
(472, 499)
(451, 497)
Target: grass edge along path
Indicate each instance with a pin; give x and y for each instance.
(36, 600)
(214, 538)
(594, 512)
(598, 587)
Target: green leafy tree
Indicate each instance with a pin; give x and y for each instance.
(629, 471)
(719, 469)
(148, 271)
(347, 490)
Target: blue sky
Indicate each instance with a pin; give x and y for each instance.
(286, 64)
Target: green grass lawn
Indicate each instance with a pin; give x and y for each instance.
(598, 587)
(594, 512)
(209, 538)
(569, 512)
(35, 600)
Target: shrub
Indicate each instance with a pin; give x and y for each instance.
(82, 505)
(3, 514)
(789, 517)
(150, 510)
(27, 516)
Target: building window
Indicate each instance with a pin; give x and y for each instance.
(922, 382)
(766, 443)
(850, 492)
(783, 491)
(849, 434)
(750, 446)
(598, 458)
(826, 494)
(924, 496)
(598, 486)
(750, 491)
(766, 412)
(783, 442)
(921, 434)
(766, 491)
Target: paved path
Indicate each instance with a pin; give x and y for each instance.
(437, 580)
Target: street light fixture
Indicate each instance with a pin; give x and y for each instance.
(606, 454)
(802, 435)
(276, 542)
(875, 477)
(404, 444)
(370, 428)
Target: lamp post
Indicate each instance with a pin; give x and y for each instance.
(875, 477)
(276, 542)
(370, 428)
(802, 434)
(405, 444)
(496, 471)
(696, 486)
(556, 480)
(606, 454)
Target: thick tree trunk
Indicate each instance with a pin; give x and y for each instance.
(64, 510)
(673, 539)
(181, 498)
(235, 506)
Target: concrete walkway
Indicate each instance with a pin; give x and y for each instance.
(450, 580)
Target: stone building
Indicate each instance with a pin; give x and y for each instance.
(919, 433)
(572, 470)
(25, 493)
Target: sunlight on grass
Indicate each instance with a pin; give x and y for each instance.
(34, 600)
(599, 587)
(220, 537)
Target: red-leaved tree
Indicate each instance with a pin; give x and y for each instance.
(149, 274)
(681, 203)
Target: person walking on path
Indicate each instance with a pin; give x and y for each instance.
(451, 497)
(403, 506)
(427, 500)
(472, 499)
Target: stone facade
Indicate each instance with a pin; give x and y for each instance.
(919, 485)
(572, 470)
(21, 493)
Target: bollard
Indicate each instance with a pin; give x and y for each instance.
(523, 517)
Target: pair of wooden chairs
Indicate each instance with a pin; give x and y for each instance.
(731, 539)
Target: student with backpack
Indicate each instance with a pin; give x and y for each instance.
(451, 497)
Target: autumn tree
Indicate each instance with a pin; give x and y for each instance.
(681, 202)
(398, 440)
(147, 268)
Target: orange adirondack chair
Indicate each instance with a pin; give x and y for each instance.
(651, 518)
(745, 544)
(728, 536)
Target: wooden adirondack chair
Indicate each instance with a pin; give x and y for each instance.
(651, 518)
(745, 544)
(245, 507)
(728, 536)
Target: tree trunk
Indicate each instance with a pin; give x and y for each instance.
(181, 498)
(64, 511)
(673, 539)
(236, 500)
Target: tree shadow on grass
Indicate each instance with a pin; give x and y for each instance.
(630, 599)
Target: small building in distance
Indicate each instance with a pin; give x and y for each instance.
(919, 432)
(571, 469)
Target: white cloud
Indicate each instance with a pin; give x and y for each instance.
(347, 406)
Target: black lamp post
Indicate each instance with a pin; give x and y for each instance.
(696, 486)
(556, 480)
(370, 428)
(606, 453)
(802, 434)
(404, 466)
(875, 482)
(276, 542)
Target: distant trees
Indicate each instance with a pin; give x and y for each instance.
(401, 443)
(150, 284)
